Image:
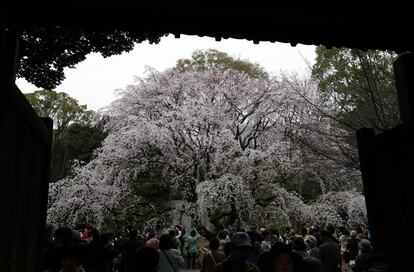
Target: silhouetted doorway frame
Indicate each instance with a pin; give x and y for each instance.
(25, 140)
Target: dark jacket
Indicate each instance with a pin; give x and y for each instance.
(230, 266)
(352, 249)
(330, 256)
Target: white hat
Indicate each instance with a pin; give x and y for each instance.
(311, 239)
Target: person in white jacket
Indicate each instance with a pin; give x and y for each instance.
(170, 258)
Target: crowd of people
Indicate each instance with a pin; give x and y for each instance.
(84, 249)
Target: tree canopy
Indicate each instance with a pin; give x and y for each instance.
(212, 59)
(360, 84)
(349, 89)
(45, 52)
(63, 109)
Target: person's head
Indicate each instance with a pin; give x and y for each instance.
(311, 241)
(353, 234)
(252, 228)
(76, 237)
(282, 259)
(70, 258)
(313, 229)
(241, 254)
(343, 230)
(48, 234)
(94, 235)
(146, 259)
(172, 233)
(240, 246)
(365, 246)
(325, 235)
(311, 264)
(80, 226)
(104, 239)
(222, 235)
(166, 242)
(330, 229)
(266, 235)
(133, 233)
(275, 232)
(283, 262)
(304, 232)
(63, 236)
(299, 244)
(154, 243)
(214, 244)
(360, 236)
(141, 238)
(193, 233)
(151, 235)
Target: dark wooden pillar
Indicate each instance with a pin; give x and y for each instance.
(25, 143)
(404, 80)
(387, 167)
(364, 135)
(8, 58)
(43, 195)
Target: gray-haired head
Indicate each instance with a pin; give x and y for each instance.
(354, 233)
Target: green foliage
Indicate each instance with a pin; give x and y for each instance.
(126, 214)
(149, 198)
(310, 190)
(74, 146)
(360, 84)
(213, 59)
(63, 109)
(264, 195)
(150, 184)
(80, 141)
(45, 52)
(74, 138)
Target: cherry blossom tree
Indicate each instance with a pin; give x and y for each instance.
(324, 145)
(230, 143)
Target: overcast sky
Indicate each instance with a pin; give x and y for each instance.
(93, 81)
